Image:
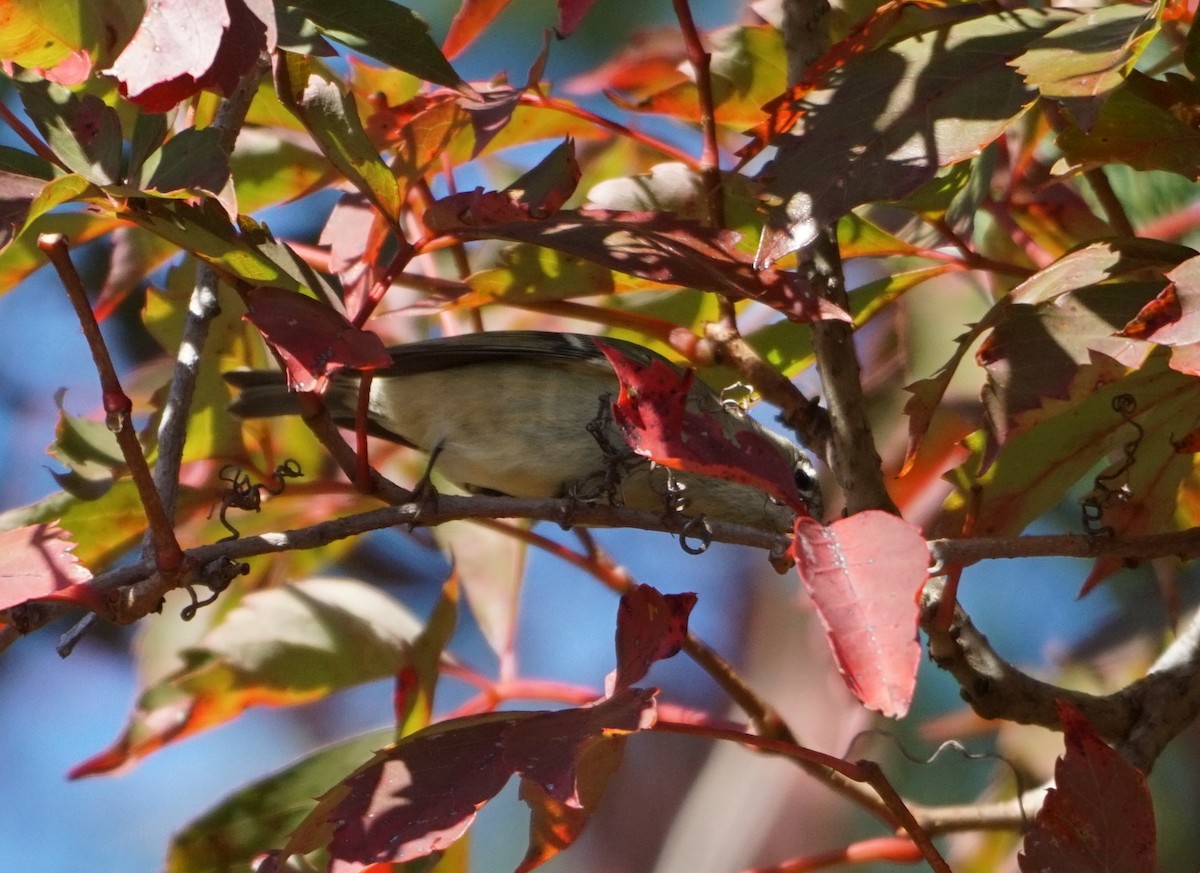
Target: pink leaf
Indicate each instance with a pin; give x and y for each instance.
(36, 564)
(176, 38)
(1098, 817)
(863, 574)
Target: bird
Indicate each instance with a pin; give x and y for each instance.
(526, 414)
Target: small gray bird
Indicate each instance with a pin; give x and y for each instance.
(508, 412)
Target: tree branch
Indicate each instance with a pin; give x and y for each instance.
(117, 407)
(202, 309)
(1140, 719)
(851, 452)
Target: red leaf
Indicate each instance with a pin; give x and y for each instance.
(652, 246)
(864, 574)
(652, 412)
(555, 825)
(647, 63)
(36, 564)
(651, 626)
(1098, 817)
(313, 340)
(421, 794)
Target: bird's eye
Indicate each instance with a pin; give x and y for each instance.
(806, 481)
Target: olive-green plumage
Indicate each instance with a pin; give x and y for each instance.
(508, 412)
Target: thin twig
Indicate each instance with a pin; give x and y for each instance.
(42, 150)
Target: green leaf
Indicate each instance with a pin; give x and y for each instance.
(211, 431)
(62, 190)
(415, 698)
(261, 816)
(204, 230)
(107, 527)
(532, 274)
(22, 256)
(268, 169)
(88, 449)
(280, 647)
(748, 69)
(42, 34)
(1138, 126)
(386, 31)
(190, 161)
(1035, 469)
(83, 132)
(22, 163)
(318, 99)
(302, 640)
(1085, 60)
(149, 132)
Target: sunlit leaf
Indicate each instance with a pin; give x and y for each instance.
(490, 566)
(653, 246)
(1146, 124)
(1067, 438)
(386, 31)
(36, 563)
(1083, 61)
(277, 647)
(748, 69)
(329, 113)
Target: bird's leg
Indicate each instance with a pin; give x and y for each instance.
(424, 494)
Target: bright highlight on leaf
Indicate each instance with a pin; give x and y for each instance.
(36, 564)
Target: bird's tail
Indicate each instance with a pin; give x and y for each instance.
(261, 394)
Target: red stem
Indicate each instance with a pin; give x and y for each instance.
(117, 406)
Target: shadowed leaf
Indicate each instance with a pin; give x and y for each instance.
(881, 125)
(1098, 817)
